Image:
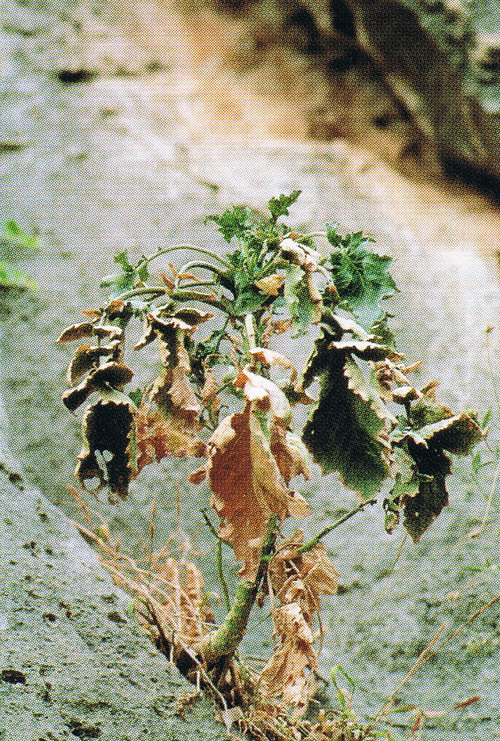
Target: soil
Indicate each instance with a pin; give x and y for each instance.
(121, 135)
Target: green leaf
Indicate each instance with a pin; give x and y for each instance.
(131, 276)
(118, 282)
(122, 259)
(296, 294)
(333, 236)
(343, 702)
(234, 222)
(476, 462)
(249, 301)
(427, 412)
(279, 206)
(487, 417)
(347, 429)
(13, 234)
(10, 277)
(136, 396)
(360, 276)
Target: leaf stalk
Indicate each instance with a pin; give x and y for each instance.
(314, 541)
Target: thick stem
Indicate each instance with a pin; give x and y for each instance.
(225, 640)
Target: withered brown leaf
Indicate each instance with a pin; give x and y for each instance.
(76, 332)
(246, 485)
(109, 438)
(288, 671)
(157, 439)
(290, 453)
(110, 375)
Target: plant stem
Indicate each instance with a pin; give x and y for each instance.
(218, 559)
(308, 546)
(220, 574)
(159, 290)
(225, 640)
(191, 247)
(250, 330)
(198, 264)
(182, 294)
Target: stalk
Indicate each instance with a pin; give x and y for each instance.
(225, 640)
(314, 541)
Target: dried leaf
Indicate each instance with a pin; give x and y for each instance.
(211, 386)
(193, 317)
(289, 671)
(166, 281)
(110, 375)
(76, 332)
(297, 580)
(109, 431)
(94, 314)
(271, 284)
(265, 394)
(273, 358)
(290, 453)
(172, 390)
(246, 486)
(156, 439)
(175, 398)
(163, 328)
(299, 254)
(312, 570)
(196, 612)
(86, 358)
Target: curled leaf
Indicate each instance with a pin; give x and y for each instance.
(299, 254)
(192, 317)
(86, 358)
(266, 395)
(172, 390)
(109, 436)
(76, 332)
(273, 358)
(365, 349)
(457, 434)
(107, 376)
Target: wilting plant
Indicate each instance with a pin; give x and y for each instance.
(226, 396)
